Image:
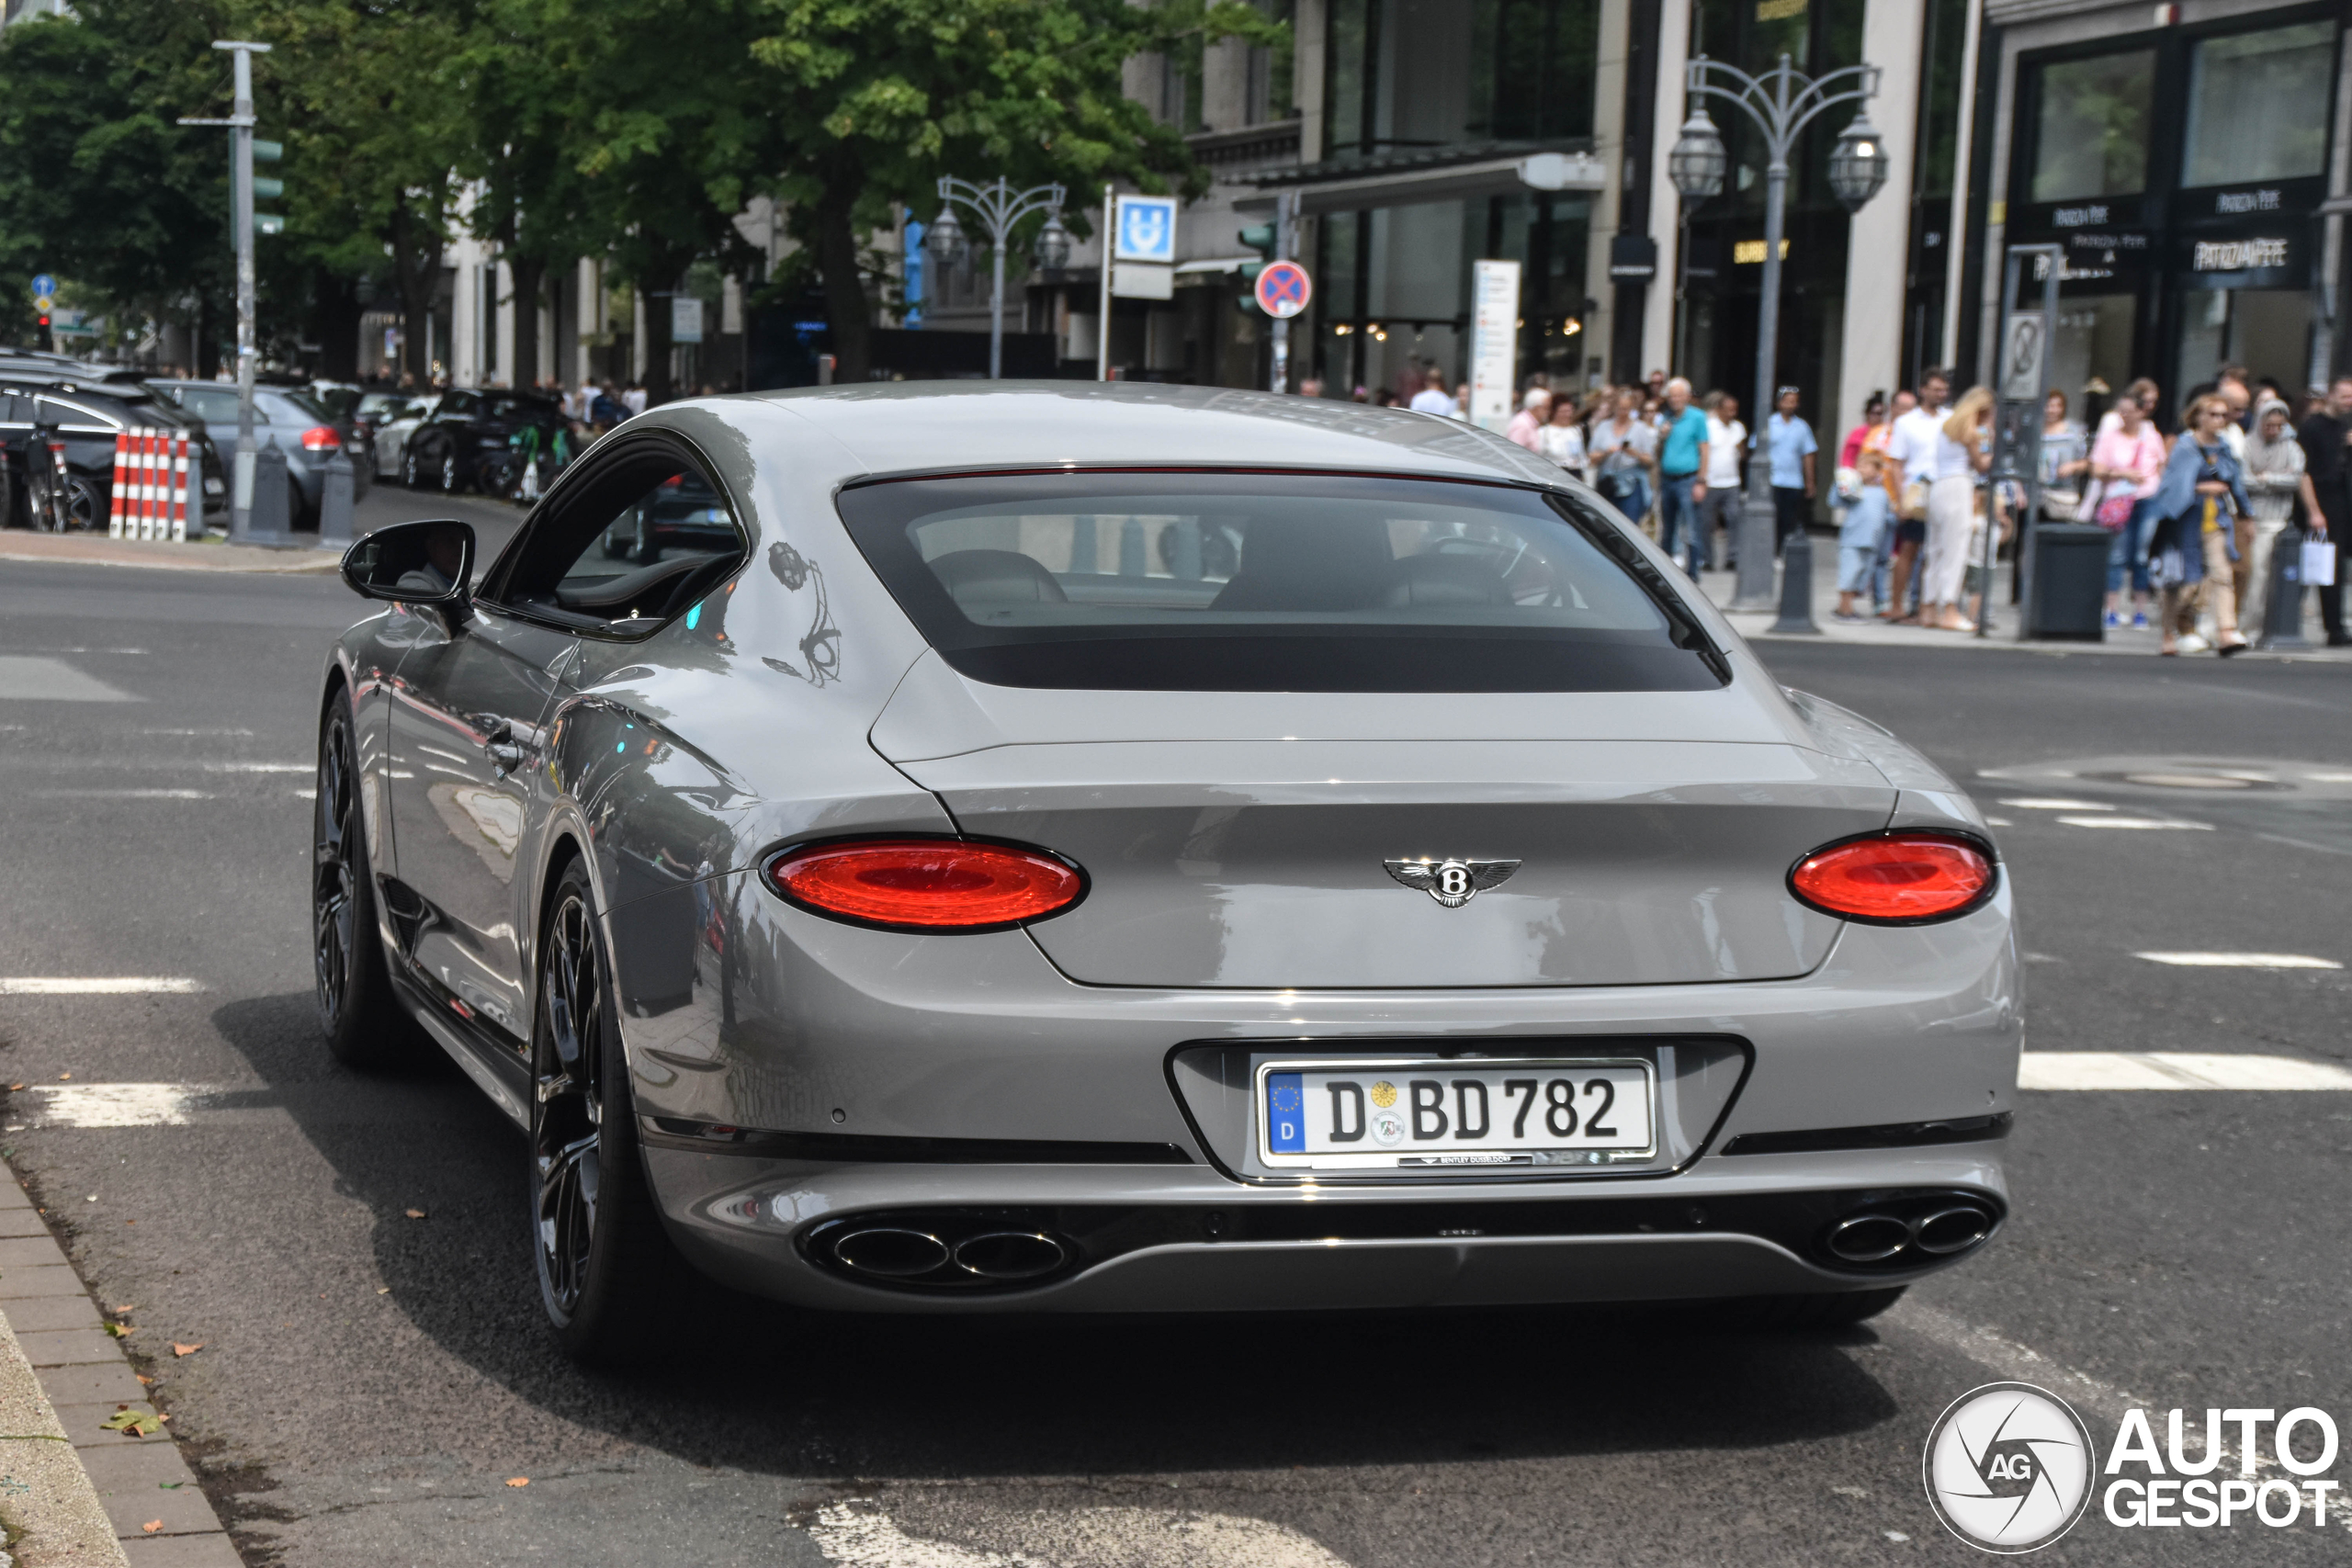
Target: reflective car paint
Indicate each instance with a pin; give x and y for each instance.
(797, 702)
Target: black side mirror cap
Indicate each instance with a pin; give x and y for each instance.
(428, 564)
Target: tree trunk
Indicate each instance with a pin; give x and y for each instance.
(846, 310)
(339, 310)
(416, 257)
(655, 372)
(530, 277)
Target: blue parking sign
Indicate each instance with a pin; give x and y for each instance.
(1146, 228)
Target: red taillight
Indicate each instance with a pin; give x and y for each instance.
(1895, 878)
(927, 884)
(321, 439)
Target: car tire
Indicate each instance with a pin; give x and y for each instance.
(88, 505)
(365, 1025)
(1819, 1309)
(602, 1257)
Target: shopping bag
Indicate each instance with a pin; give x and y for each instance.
(2319, 563)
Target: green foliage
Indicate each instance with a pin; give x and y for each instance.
(99, 186)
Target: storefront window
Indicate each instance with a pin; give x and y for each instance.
(2092, 135)
(2093, 348)
(2267, 330)
(2257, 105)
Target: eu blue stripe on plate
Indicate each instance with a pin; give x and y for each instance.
(1285, 1114)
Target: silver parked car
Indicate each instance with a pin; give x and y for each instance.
(1090, 847)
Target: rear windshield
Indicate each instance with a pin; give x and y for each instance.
(1275, 582)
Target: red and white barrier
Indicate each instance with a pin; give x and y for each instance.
(151, 485)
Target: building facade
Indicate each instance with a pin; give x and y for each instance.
(2191, 160)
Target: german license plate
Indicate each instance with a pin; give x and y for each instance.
(1402, 1113)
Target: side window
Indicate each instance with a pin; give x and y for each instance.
(15, 410)
(73, 416)
(638, 541)
(461, 404)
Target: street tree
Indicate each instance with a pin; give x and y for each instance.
(875, 99)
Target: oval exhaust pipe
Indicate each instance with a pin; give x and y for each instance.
(891, 1253)
(1951, 1230)
(1868, 1238)
(1010, 1255)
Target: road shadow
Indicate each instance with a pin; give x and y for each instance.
(752, 1385)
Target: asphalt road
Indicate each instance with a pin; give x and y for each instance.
(372, 1383)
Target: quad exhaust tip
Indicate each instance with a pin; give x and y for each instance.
(1938, 1230)
(919, 1255)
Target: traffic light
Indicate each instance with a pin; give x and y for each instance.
(1260, 238)
(267, 189)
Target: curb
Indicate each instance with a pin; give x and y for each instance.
(164, 554)
(91, 1497)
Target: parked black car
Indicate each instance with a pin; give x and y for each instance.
(295, 424)
(469, 427)
(86, 419)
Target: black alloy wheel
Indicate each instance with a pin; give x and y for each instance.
(88, 505)
(363, 1024)
(601, 1251)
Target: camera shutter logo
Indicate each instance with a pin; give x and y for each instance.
(2009, 1468)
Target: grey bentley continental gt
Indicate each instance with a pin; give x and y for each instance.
(1103, 847)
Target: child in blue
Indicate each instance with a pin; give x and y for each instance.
(1869, 518)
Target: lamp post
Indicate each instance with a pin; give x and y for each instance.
(1781, 102)
(998, 207)
(240, 222)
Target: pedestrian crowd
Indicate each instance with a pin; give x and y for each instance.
(2196, 505)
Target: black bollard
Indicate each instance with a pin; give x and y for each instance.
(2282, 606)
(1796, 588)
(334, 505)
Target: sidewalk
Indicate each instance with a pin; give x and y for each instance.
(1719, 586)
(73, 1490)
(98, 549)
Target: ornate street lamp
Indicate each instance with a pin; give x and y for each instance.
(1857, 164)
(1781, 102)
(1697, 163)
(998, 207)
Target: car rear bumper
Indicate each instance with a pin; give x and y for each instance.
(1185, 1239)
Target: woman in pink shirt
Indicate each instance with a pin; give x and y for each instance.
(1873, 433)
(2126, 460)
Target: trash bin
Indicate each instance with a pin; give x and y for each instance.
(2069, 582)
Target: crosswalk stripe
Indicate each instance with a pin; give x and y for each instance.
(2175, 1070)
(96, 986)
(2239, 960)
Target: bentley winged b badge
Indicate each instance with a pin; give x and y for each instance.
(1452, 883)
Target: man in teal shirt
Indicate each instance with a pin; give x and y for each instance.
(1683, 468)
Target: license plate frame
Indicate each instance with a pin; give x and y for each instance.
(1285, 1150)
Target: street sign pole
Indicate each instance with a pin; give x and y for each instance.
(1285, 247)
(2021, 382)
(240, 221)
(1110, 245)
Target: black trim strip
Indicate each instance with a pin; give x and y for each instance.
(850, 1149)
(1891, 1136)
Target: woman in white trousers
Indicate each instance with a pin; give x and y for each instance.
(1964, 450)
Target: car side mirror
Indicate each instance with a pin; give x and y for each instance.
(429, 564)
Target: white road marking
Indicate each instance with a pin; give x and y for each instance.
(2329, 778)
(2175, 1070)
(111, 1104)
(96, 986)
(2056, 802)
(211, 730)
(255, 767)
(858, 1534)
(126, 795)
(54, 681)
(1996, 822)
(2134, 822)
(2239, 959)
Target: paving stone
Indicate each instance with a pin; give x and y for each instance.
(57, 1280)
(181, 1552)
(35, 1314)
(91, 1383)
(86, 1425)
(30, 1252)
(15, 1221)
(70, 1347)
